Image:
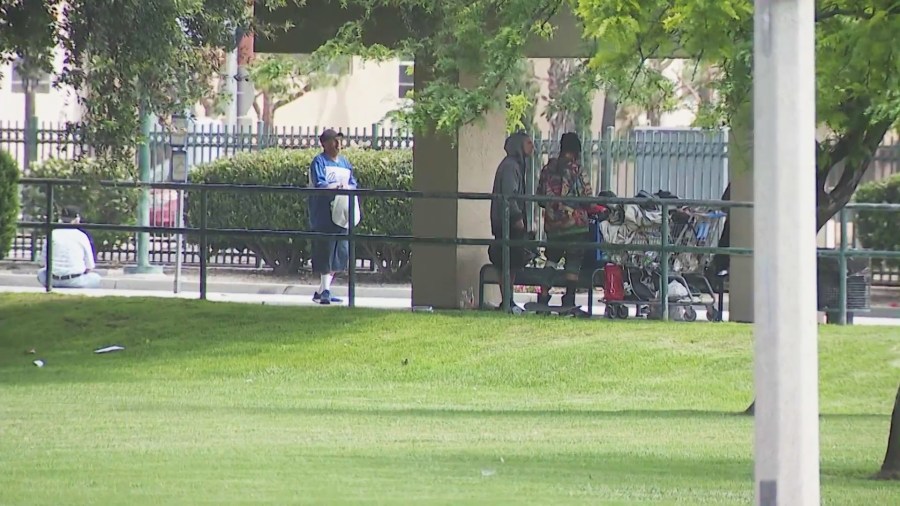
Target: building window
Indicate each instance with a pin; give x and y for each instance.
(41, 84)
(406, 79)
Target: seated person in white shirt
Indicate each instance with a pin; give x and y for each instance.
(73, 256)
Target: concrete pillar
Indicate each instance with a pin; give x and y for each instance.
(442, 273)
(740, 166)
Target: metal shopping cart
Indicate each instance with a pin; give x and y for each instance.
(634, 277)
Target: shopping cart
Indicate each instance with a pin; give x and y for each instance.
(634, 277)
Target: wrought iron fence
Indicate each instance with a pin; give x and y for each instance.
(690, 163)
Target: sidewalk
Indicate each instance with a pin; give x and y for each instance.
(255, 288)
(24, 275)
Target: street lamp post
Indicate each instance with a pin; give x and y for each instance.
(178, 173)
(784, 249)
(143, 215)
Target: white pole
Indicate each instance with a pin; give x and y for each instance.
(786, 365)
(231, 87)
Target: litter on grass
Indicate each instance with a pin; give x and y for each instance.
(109, 349)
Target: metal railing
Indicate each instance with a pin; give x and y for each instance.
(686, 162)
(664, 248)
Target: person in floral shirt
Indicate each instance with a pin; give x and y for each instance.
(564, 221)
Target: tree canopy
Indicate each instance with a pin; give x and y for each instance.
(280, 79)
(858, 63)
(481, 40)
(123, 55)
(857, 69)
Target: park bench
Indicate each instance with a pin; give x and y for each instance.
(590, 279)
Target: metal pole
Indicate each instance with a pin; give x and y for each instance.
(664, 264)
(351, 230)
(784, 260)
(143, 215)
(143, 245)
(203, 242)
(607, 159)
(507, 282)
(48, 282)
(842, 271)
(179, 239)
(230, 79)
(375, 143)
(245, 90)
(30, 154)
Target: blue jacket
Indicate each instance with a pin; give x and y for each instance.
(327, 173)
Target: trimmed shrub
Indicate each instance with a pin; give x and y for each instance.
(102, 205)
(879, 230)
(386, 170)
(9, 201)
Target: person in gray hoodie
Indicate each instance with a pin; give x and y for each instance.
(510, 180)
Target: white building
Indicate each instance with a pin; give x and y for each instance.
(52, 105)
(364, 96)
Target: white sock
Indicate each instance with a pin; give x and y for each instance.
(325, 283)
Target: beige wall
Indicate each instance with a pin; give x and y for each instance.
(370, 91)
(362, 97)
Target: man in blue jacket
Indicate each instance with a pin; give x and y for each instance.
(328, 170)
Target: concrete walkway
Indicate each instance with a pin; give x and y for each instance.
(380, 297)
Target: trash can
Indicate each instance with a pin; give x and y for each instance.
(859, 286)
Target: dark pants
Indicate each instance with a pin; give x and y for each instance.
(330, 255)
(574, 256)
(518, 256)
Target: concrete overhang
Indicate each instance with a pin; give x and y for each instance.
(319, 20)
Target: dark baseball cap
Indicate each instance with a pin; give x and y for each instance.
(69, 212)
(329, 134)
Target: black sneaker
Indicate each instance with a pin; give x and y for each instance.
(326, 298)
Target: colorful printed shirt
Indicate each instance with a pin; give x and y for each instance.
(563, 178)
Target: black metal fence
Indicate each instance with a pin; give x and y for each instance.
(664, 248)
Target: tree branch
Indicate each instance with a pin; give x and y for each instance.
(853, 13)
(855, 151)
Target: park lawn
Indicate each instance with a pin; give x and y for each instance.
(216, 403)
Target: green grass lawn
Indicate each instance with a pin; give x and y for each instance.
(215, 403)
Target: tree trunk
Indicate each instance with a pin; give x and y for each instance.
(890, 469)
(561, 120)
(654, 116)
(610, 109)
(268, 115)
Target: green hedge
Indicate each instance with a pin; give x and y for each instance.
(879, 230)
(97, 204)
(386, 170)
(9, 201)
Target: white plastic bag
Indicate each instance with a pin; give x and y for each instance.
(340, 211)
(678, 291)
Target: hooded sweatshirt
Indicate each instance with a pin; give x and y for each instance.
(510, 180)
